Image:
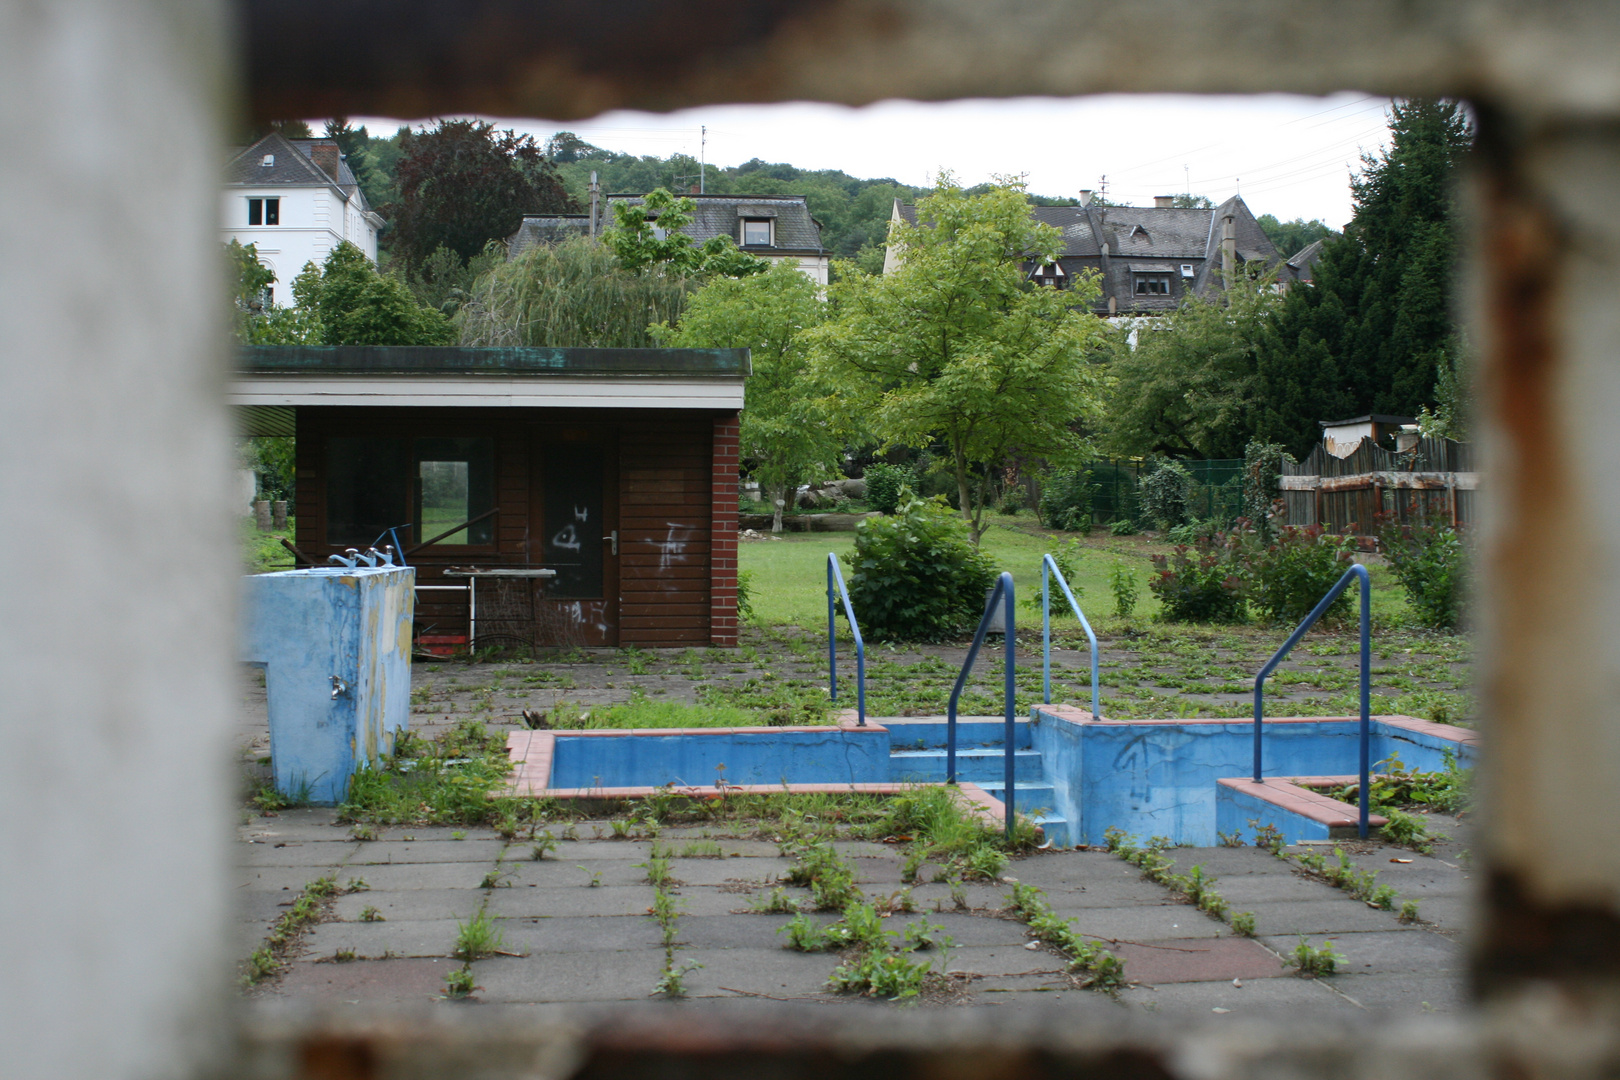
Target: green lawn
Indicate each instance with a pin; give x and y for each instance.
(789, 584)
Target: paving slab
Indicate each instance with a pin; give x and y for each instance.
(1045, 992)
(553, 873)
(977, 896)
(736, 931)
(308, 853)
(1292, 997)
(521, 902)
(1451, 913)
(1243, 890)
(1108, 894)
(366, 983)
(1145, 923)
(407, 904)
(401, 876)
(311, 823)
(763, 872)
(582, 933)
(604, 850)
(1005, 960)
(1318, 917)
(1384, 952)
(1410, 993)
(776, 972)
(375, 940)
(569, 977)
(1208, 960)
(279, 878)
(378, 852)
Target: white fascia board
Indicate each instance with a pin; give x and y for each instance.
(489, 391)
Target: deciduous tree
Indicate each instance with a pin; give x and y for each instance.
(785, 432)
(958, 346)
(650, 237)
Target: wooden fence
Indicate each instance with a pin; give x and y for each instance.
(1435, 481)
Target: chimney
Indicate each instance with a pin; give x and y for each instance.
(1085, 196)
(1228, 247)
(1163, 202)
(326, 156)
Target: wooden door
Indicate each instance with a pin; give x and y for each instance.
(577, 506)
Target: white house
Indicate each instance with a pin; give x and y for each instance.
(296, 199)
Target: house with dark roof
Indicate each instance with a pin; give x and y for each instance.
(772, 227)
(296, 200)
(1148, 258)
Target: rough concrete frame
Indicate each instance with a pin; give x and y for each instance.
(111, 358)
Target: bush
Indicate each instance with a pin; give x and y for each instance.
(1431, 563)
(883, 484)
(1201, 584)
(1262, 466)
(1122, 582)
(916, 575)
(1122, 527)
(1066, 500)
(1295, 570)
(1163, 495)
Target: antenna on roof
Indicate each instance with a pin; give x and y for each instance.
(1186, 171)
(703, 158)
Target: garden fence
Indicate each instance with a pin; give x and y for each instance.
(1216, 490)
(1433, 482)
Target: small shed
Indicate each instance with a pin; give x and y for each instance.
(567, 497)
(1343, 437)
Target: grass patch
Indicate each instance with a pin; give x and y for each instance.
(446, 782)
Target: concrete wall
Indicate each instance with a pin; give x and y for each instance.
(1158, 779)
(116, 672)
(750, 756)
(307, 627)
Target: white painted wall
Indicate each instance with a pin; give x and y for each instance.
(314, 220)
(115, 672)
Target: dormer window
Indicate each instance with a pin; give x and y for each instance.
(268, 160)
(756, 232)
(264, 211)
(1152, 284)
(1051, 274)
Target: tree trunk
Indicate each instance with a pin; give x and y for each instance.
(964, 495)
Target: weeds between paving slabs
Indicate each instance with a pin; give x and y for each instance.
(311, 906)
(1196, 885)
(1341, 873)
(1093, 965)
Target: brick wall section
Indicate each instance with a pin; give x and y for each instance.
(723, 535)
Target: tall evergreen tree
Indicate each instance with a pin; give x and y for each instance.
(1374, 331)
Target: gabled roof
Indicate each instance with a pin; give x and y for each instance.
(717, 215)
(1304, 261)
(538, 229)
(294, 166)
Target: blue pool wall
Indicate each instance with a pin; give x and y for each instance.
(305, 626)
(1158, 779)
(1238, 812)
(750, 756)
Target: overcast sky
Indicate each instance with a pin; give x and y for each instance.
(1286, 155)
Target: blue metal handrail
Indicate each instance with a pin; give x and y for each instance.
(1004, 593)
(836, 591)
(1049, 568)
(1360, 573)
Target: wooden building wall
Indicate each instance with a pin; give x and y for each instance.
(676, 493)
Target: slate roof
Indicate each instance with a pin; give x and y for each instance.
(538, 229)
(1304, 261)
(293, 167)
(718, 215)
(1149, 240)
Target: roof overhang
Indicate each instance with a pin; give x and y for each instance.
(273, 380)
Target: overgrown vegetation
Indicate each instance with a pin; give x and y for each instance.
(1430, 561)
(1196, 885)
(1093, 965)
(916, 576)
(449, 781)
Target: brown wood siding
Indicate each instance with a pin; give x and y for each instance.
(664, 533)
(666, 473)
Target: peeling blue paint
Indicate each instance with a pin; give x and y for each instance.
(309, 627)
(780, 755)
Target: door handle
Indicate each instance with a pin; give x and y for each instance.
(614, 536)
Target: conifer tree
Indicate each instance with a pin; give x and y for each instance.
(1374, 330)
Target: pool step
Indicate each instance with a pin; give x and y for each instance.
(1028, 797)
(976, 763)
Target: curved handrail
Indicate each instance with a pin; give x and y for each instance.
(1003, 592)
(835, 592)
(1049, 567)
(1360, 573)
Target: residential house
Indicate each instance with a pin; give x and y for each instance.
(1149, 258)
(295, 200)
(773, 227)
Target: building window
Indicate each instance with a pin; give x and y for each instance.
(1051, 274)
(264, 211)
(1152, 284)
(756, 232)
(416, 487)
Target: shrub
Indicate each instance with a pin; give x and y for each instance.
(1291, 573)
(1262, 465)
(1122, 582)
(1200, 584)
(884, 482)
(916, 575)
(1163, 495)
(1431, 564)
(1066, 500)
(1122, 527)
